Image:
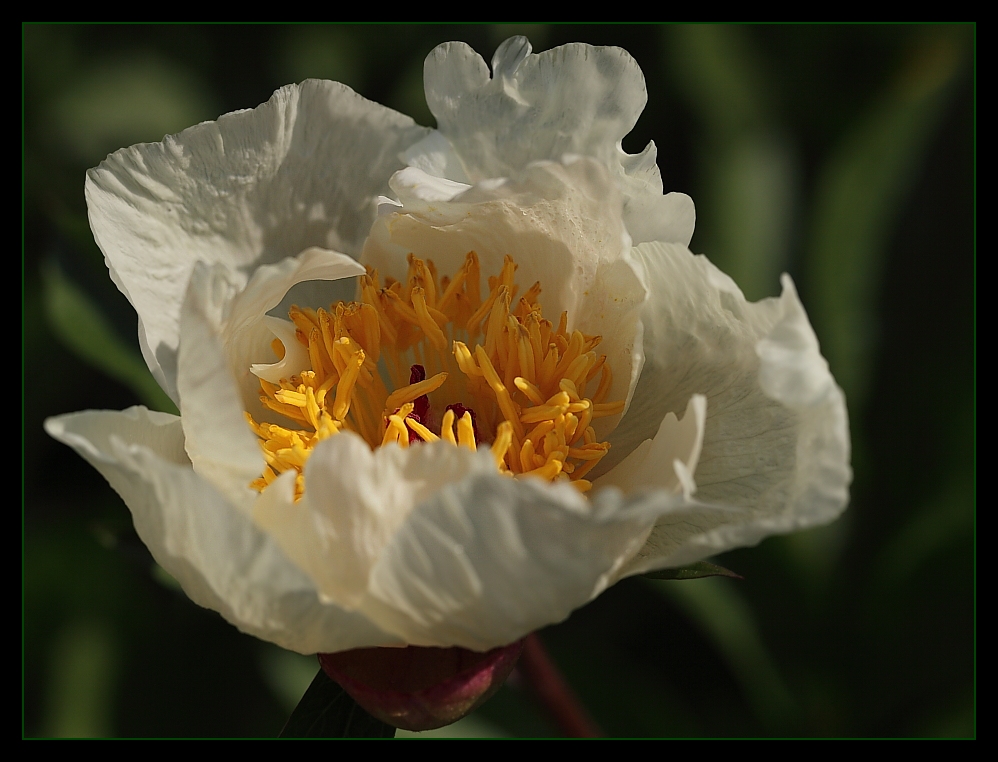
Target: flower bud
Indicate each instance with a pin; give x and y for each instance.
(417, 688)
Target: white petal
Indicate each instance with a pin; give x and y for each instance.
(653, 464)
(489, 559)
(355, 500)
(269, 284)
(776, 442)
(295, 358)
(561, 223)
(435, 156)
(256, 186)
(575, 99)
(225, 343)
(220, 559)
(414, 185)
(219, 442)
(246, 332)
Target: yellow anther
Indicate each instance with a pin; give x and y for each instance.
(327, 427)
(315, 351)
(409, 393)
(404, 311)
(573, 350)
(449, 296)
(294, 456)
(524, 350)
(585, 468)
(279, 349)
(595, 368)
(323, 390)
(504, 438)
(427, 323)
(311, 407)
(603, 409)
(556, 405)
(473, 280)
(424, 433)
(528, 455)
(425, 275)
(328, 333)
(465, 360)
(447, 427)
(341, 405)
(568, 386)
(497, 321)
(304, 321)
(532, 293)
(549, 471)
(397, 424)
(391, 435)
(593, 451)
(605, 382)
(290, 398)
(506, 405)
(571, 426)
(537, 433)
(576, 372)
(362, 323)
(563, 324)
(466, 432)
(532, 392)
(369, 293)
(545, 373)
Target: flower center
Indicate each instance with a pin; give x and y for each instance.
(523, 390)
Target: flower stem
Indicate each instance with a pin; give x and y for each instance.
(554, 694)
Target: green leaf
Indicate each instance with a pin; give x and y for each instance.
(326, 711)
(81, 326)
(694, 571)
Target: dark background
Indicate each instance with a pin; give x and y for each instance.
(841, 154)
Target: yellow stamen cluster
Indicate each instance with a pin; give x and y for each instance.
(526, 379)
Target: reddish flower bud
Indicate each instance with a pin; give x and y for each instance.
(417, 688)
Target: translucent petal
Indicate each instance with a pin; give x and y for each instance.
(220, 558)
(776, 439)
(574, 99)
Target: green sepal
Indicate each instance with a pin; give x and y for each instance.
(326, 711)
(693, 571)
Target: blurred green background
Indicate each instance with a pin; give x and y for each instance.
(841, 154)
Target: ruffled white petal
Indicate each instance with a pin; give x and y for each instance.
(776, 440)
(575, 99)
(254, 187)
(220, 558)
(488, 559)
(561, 223)
(355, 500)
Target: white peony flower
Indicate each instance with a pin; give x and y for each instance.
(635, 413)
